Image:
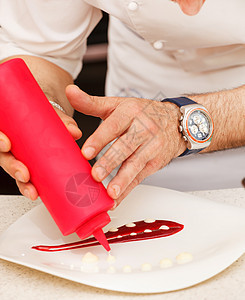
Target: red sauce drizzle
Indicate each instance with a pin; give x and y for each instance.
(122, 235)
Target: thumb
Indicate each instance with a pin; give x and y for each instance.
(5, 144)
(91, 105)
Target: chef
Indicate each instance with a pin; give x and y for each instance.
(175, 87)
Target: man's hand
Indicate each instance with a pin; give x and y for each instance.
(17, 169)
(146, 133)
(52, 80)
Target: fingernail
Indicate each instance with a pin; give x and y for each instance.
(100, 172)
(114, 206)
(74, 86)
(88, 152)
(73, 128)
(27, 194)
(116, 190)
(18, 175)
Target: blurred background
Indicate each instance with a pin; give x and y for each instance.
(91, 80)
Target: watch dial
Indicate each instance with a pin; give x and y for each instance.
(198, 125)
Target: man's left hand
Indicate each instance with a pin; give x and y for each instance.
(145, 132)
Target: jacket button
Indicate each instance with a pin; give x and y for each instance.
(158, 45)
(133, 6)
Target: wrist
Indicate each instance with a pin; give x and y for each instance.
(174, 115)
(196, 125)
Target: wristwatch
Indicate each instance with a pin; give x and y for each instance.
(196, 124)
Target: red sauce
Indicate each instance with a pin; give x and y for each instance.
(122, 235)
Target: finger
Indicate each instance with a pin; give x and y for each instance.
(126, 174)
(74, 131)
(70, 124)
(130, 170)
(5, 144)
(14, 167)
(91, 105)
(120, 150)
(146, 171)
(122, 119)
(28, 190)
(108, 131)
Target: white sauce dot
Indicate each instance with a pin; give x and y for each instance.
(119, 236)
(113, 229)
(149, 220)
(127, 269)
(166, 263)
(111, 270)
(110, 258)
(133, 233)
(184, 258)
(130, 225)
(89, 258)
(164, 227)
(146, 267)
(147, 230)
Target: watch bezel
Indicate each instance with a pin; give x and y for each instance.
(193, 143)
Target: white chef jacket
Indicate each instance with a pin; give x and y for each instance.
(155, 51)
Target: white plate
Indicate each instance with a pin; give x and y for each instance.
(214, 234)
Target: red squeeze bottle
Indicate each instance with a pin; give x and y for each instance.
(61, 175)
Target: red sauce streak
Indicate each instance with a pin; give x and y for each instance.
(122, 235)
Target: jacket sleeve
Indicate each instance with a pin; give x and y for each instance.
(54, 30)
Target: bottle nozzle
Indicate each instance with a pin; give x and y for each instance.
(94, 226)
(101, 238)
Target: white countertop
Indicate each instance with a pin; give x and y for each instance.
(18, 282)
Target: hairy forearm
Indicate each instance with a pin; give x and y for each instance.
(51, 78)
(228, 112)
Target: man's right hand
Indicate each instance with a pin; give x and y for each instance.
(52, 80)
(17, 169)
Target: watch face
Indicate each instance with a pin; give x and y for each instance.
(198, 125)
